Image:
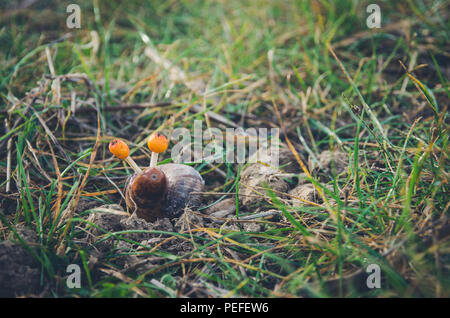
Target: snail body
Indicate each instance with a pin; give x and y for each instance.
(163, 191)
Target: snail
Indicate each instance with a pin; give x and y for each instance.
(159, 191)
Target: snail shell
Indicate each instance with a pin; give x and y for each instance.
(163, 191)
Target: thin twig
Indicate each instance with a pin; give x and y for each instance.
(8, 158)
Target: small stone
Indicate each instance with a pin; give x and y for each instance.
(224, 205)
(252, 227)
(327, 157)
(306, 192)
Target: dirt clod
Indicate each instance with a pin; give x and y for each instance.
(306, 192)
(142, 227)
(253, 180)
(327, 157)
(107, 221)
(262, 174)
(252, 227)
(19, 270)
(187, 221)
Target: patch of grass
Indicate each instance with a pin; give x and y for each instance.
(377, 96)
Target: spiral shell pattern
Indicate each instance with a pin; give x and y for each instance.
(183, 182)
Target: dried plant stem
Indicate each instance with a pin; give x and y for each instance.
(153, 159)
(8, 158)
(133, 165)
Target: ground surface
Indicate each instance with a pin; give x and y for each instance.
(364, 147)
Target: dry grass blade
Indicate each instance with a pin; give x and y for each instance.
(302, 165)
(74, 204)
(178, 75)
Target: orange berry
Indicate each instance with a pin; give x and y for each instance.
(119, 149)
(157, 143)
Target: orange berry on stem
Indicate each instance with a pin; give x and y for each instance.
(157, 143)
(119, 149)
